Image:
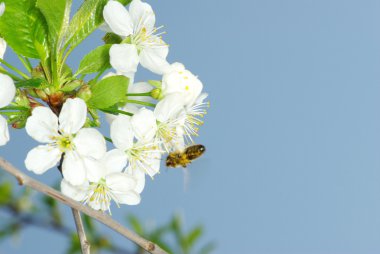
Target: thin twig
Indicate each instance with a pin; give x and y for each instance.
(84, 244)
(101, 217)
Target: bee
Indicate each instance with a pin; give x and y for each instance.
(183, 158)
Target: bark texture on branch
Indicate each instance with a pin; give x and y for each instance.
(101, 217)
(84, 244)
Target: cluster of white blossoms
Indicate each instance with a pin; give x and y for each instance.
(153, 118)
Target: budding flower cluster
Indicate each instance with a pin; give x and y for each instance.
(60, 109)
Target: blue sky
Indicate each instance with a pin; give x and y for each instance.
(292, 136)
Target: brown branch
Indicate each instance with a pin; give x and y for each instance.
(101, 217)
(32, 220)
(84, 244)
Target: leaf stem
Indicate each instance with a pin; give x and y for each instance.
(25, 63)
(14, 69)
(148, 104)
(14, 77)
(13, 108)
(117, 111)
(139, 94)
(108, 139)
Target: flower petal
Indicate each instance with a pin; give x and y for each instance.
(42, 126)
(183, 82)
(129, 198)
(142, 15)
(169, 107)
(144, 124)
(78, 193)
(139, 176)
(73, 168)
(4, 132)
(42, 158)
(3, 44)
(114, 161)
(90, 142)
(118, 18)
(154, 59)
(121, 182)
(8, 90)
(2, 8)
(73, 116)
(124, 58)
(122, 133)
(94, 168)
(151, 164)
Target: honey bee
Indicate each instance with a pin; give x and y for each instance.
(183, 158)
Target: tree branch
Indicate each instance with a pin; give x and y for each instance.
(84, 244)
(101, 217)
(32, 220)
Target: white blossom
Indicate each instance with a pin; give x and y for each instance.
(179, 80)
(141, 153)
(192, 116)
(144, 46)
(81, 147)
(8, 92)
(169, 121)
(107, 183)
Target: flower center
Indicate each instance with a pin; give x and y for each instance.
(141, 156)
(167, 134)
(65, 143)
(100, 195)
(100, 191)
(143, 38)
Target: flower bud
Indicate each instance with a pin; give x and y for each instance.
(38, 72)
(156, 94)
(18, 119)
(41, 94)
(84, 93)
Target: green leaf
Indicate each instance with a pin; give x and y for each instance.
(125, 2)
(71, 86)
(32, 83)
(193, 237)
(6, 193)
(97, 60)
(24, 28)
(57, 16)
(208, 248)
(111, 38)
(88, 18)
(135, 224)
(109, 92)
